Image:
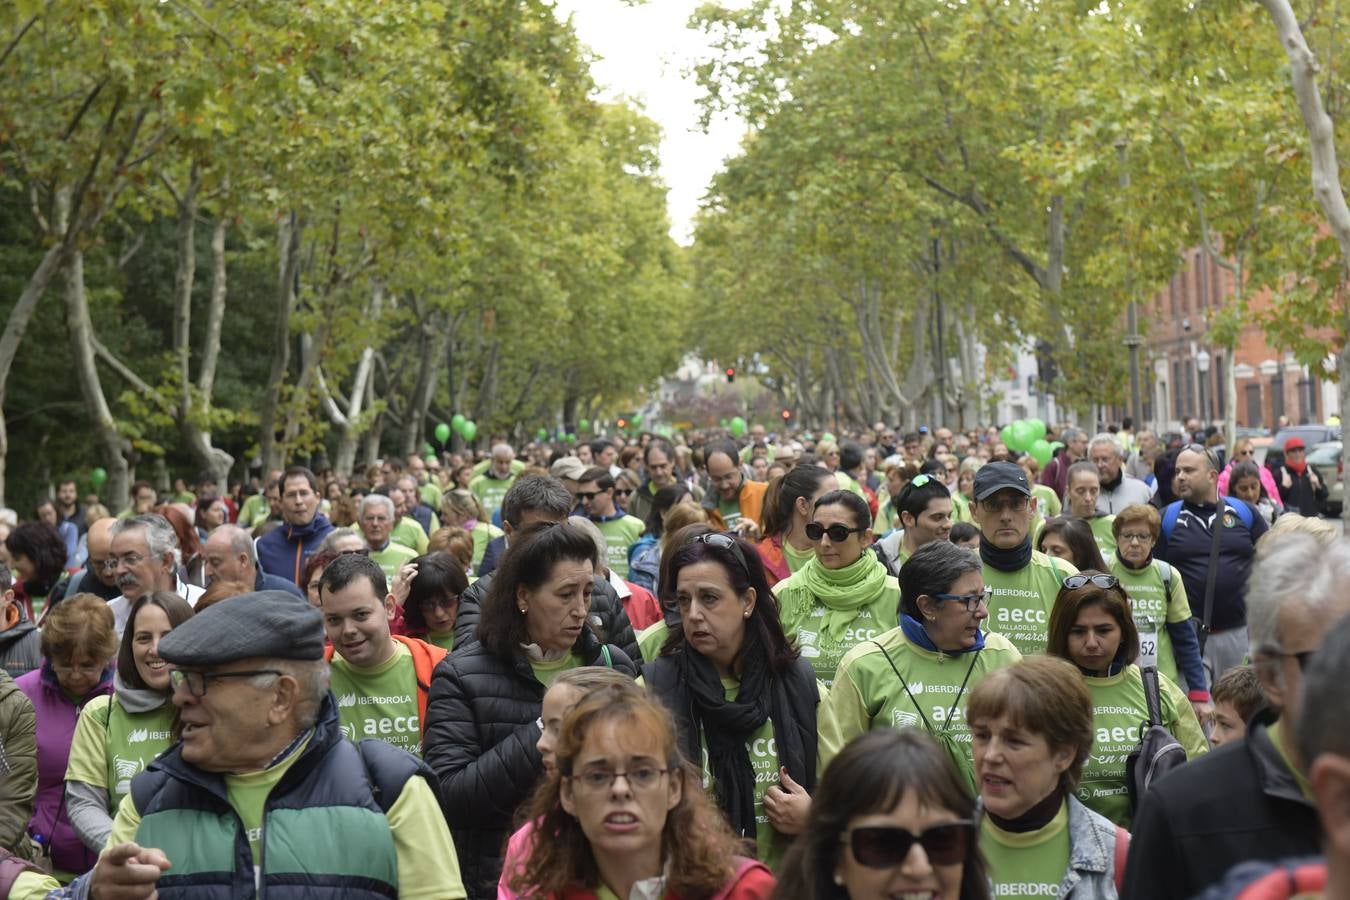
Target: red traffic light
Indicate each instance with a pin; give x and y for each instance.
(731, 373)
(787, 414)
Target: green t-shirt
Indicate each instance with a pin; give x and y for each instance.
(483, 533)
(796, 604)
(886, 520)
(1101, 530)
(797, 558)
(848, 483)
(1155, 605)
(490, 491)
(1119, 707)
(1032, 864)
(379, 701)
(545, 672)
(254, 512)
(1047, 501)
(111, 745)
(248, 795)
(430, 494)
(1020, 607)
(960, 508)
(730, 511)
(408, 533)
(392, 557)
(867, 694)
(620, 533)
(445, 641)
(652, 638)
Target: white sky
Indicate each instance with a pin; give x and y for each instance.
(647, 53)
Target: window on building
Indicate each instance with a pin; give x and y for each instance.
(1253, 393)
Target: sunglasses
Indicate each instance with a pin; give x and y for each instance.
(724, 542)
(1105, 582)
(838, 533)
(623, 492)
(588, 495)
(886, 846)
(1208, 452)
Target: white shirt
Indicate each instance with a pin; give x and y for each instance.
(121, 606)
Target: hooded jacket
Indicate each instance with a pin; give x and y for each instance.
(20, 645)
(18, 762)
(284, 549)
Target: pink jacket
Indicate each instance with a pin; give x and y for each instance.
(1267, 482)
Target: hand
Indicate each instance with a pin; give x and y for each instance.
(1285, 480)
(787, 804)
(1312, 477)
(748, 530)
(1204, 711)
(127, 872)
(403, 583)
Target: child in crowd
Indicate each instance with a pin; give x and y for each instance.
(1237, 697)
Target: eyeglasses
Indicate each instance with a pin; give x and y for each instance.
(1105, 582)
(444, 603)
(887, 846)
(587, 496)
(359, 551)
(838, 533)
(68, 669)
(623, 492)
(196, 681)
(1136, 538)
(971, 601)
(596, 780)
(126, 559)
(1007, 504)
(725, 542)
(1247, 452)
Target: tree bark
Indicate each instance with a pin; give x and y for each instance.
(349, 424)
(289, 233)
(112, 445)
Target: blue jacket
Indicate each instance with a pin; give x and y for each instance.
(265, 582)
(283, 550)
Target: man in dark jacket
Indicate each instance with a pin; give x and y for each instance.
(283, 551)
(542, 498)
(1248, 800)
(229, 555)
(97, 577)
(1300, 488)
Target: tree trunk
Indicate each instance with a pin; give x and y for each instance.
(289, 232)
(112, 445)
(350, 426)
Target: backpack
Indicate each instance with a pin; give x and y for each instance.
(1173, 510)
(1157, 752)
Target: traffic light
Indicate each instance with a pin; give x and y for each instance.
(787, 415)
(731, 374)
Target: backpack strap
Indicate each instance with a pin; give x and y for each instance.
(1169, 518)
(1151, 693)
(1165, 573)
(609, 660)
(1122, 855)
(1054, 570)
(1242, 508)
(904, 684)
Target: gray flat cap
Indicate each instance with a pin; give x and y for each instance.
(272, 624)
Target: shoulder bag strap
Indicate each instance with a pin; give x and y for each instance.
(905, 685)
(1211, 577)
(1151, 692)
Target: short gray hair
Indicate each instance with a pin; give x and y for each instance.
(1072, 434)
(1294, 568)
(1326, 702)
(240, 540)
(372, 499)
(601, 545)
(311, 674)
(160, 538)
(330, 543)
(1105, 437)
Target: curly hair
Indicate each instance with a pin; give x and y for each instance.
(697, 845)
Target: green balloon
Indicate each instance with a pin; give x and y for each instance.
(98, 477)
(1023, 435)
(1005, 434)
(637, 419)
(457, 422)
(737, 426)
(1055, 445)
(724, 423)
(431, 458)
(1040, 451)
(571, 439)
(428, 450)
(469, 430)
(1037, 429)
(584, 425)
(442, 432)
(827, 436)
(542, 434)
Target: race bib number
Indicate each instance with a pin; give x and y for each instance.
(1148, 641)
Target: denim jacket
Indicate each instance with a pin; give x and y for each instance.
(1092, 856)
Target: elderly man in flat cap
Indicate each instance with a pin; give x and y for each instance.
(263, 794)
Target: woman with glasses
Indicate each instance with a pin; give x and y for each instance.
(486, 697)
(788, 506)
(1161, 610)
(78, 644)
(919, 674)
(627, 816)
(843, 595)
(1092, 627)
(435, 582)
(892, 818)
(742, 697)
(116, 737)
(1245, 452)
(461, 508)
(1031, 729)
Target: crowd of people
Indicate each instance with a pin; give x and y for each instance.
(895, 665)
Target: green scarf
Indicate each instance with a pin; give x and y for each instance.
(842, 591)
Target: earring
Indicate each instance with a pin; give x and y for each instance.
(747, 613)
(522, 610)
(838, 879)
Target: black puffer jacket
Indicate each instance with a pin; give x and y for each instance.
(480, 740)
(607, 615)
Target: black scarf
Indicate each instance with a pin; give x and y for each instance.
(1131, 566)
(1035, 818)
(1013, 560)
(728, 724)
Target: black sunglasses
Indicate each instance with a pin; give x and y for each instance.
(838, 533)
(1208, 452)
(588, 495)
(887, 846)
(1105, 582)
(724, 542)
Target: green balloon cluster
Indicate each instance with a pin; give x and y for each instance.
(1028, 436)
(462, 426)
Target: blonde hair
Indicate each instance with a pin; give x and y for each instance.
(79, 624)
(1321, 530)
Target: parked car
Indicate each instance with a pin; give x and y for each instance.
(1326, 459)
(1311, 435)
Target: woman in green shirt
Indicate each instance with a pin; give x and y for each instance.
(463, 509)
(843, 596)
(788, 505)
(1032, 729)
(117, 736)
(1092, 627)
(1070, 539)
(435, 586)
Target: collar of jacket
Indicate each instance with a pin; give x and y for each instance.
(1274, 776)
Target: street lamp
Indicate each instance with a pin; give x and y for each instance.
(1202, 365)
